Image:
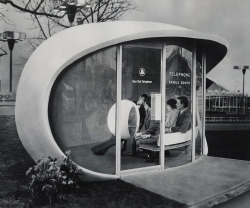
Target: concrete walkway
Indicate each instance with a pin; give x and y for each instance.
(206, 182)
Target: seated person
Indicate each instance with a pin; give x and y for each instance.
(102, 148)
(171, 116)
(151, 129)
(183, 123)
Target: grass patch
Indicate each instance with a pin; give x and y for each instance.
(14, 191)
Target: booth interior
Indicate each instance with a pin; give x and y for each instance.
(142, 76)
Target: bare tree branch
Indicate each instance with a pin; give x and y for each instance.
(58, 22)
(3, 52)
(27, 9)
(39, 5)
(40, 27)
(46, 22)
(27, 4)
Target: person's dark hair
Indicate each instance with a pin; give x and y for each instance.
(144, 96)
(172, 103)
(148, 101)
(183, 101)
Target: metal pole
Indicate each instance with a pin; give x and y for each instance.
(219, 101)
(209, 102)
(118, 109)
(244, 68)
(10, 71)
(243, 71)
(163, 104)
(236, 103)
(193, 101)
(11, 43)
(204, 70)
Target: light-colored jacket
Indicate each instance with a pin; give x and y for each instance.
(151, 127)
(171, 119)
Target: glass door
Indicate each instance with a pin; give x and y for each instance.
(178, 106)
(141, 90)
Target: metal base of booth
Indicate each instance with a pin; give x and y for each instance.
(204, 183)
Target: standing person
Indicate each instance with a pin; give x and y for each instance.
(103, 147)
(183, 123)
(140, 104)
(172, 115)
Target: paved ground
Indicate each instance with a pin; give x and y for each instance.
(15, 161)
(243, 201)
(204, 183)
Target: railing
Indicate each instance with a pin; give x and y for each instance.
(7, 99)
(227, 108)
(227, 103)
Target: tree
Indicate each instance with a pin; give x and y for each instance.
(2, 51)
(49, 21)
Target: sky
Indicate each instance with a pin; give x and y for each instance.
(228, 19)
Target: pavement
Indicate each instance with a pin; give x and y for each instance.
(242, 201)
(207, 182)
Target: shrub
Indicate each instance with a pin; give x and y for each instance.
(51, 182)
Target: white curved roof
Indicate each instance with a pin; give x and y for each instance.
(67, 46)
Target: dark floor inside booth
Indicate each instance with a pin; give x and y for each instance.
(84, 157)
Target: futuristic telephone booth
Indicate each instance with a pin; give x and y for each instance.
(79, 88)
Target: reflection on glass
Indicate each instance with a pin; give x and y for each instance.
(141, 71)
(133, 121)
(79, 104)
(199, 107)
(178, 105)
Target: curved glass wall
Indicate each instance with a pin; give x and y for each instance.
(79, 105)
(199, 107)
(178, 123)
(141, 78)
(82, 110)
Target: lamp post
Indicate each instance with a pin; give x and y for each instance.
(11, 38)
(243, 68)
(216, 92)
(70, 7)
(209, 94)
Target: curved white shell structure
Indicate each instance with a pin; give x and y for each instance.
(64, 48)
(126, 107)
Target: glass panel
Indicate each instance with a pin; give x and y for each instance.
(178, 106)
(141, 71)
(80, 101)
(199, 107)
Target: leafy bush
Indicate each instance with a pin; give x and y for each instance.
(51, 182)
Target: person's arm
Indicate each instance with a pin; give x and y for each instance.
(142, 117)
(170, 119)
(185, 125)
(152, 128)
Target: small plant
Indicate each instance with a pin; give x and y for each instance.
(51, 182)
